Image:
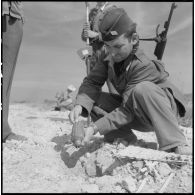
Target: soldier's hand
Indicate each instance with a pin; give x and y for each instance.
(75, 113)
(89, 132)
(87, 32)
(86, 28)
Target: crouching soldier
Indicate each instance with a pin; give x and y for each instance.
(91, 31)
(147, 101)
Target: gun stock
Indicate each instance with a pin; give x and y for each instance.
(160, 46)
(159, 49)
(161, 39)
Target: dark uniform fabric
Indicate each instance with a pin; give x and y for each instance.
(95, 18)
(148, 100)
(11, 39)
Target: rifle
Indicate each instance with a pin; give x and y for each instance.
(161, 39)
(87, 20)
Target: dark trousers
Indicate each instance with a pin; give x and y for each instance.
(154, 110)
(12, 37)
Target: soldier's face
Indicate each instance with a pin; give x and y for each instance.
(120, 48)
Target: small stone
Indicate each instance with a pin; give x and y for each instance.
(128, 184)
(184, 173)
(118, 189)
(106, 162)
(143, 170)
(90, 168)
(139, 177)
(90, 188)
(121, 145)
(106, 181)
(69, 187)
(164, 169)
(114, 172)
(150, 180)
(180, 184)
(124, 143)
(87, 155)
(82, 159)
(134, 171)
(91, 180)
(138, 164)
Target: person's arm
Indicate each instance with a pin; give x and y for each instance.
(140, 70)
(87, 32)
(118, 117)
(115, 119)
(90, 89)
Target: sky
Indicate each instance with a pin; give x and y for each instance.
(48, 60)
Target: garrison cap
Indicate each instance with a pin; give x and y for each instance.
(114, 23)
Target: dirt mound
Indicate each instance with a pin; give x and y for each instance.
(47, 161)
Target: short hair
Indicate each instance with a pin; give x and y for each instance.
(130, 32)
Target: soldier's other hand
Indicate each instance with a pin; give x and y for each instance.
(89, 132)
(75, 113)
(86, 28)
(87, 32)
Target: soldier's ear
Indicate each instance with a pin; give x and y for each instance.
(134, 38)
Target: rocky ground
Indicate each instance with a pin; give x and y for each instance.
(47, 162)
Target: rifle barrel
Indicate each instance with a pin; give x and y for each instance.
(167, 23)
(160, 46)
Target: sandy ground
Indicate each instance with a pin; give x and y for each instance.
(47, 162)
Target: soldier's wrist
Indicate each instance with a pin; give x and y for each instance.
(94, 127)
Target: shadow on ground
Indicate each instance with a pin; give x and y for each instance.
(70, 159)
(70, 155)
(61, 141)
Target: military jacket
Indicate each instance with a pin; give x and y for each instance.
(141, 68)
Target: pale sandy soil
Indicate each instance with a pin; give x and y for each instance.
(48, 163)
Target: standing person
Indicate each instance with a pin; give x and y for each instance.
(91, 30)
(13, 19)
(147, 101)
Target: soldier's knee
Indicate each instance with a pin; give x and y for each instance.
(144, 88)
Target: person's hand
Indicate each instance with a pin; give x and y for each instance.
(87, 32)
(75, 113)
(89, 132)
(86, 28)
